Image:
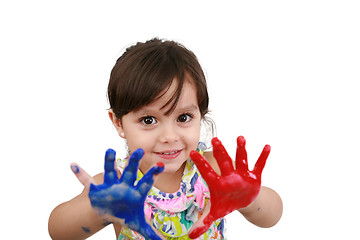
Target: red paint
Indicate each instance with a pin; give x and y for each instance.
(160, 164)
(235, 188)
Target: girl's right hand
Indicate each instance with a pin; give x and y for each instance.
(119, 200)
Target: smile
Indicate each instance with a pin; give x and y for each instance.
(169, 154)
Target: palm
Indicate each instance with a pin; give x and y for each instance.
(120, 198)
(235, 188)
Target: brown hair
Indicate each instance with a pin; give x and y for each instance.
(147, 69)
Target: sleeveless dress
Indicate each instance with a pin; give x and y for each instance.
(173, 214)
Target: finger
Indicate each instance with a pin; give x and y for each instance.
(146, 182)
(204, 167)
(83, 177)
(260, 163)
(222, 157)
(202, 224)
(241, 155)
(110, 174)
(130, 172)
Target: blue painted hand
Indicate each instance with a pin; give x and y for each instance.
(121, 198)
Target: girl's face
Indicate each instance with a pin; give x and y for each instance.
(164, 138)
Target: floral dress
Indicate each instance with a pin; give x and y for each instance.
(173, 214)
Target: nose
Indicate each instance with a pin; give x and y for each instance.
(169, 134)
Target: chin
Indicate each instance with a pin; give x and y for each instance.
(173, 167)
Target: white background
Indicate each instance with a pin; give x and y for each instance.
(284, 73)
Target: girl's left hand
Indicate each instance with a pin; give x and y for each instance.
(234, 189)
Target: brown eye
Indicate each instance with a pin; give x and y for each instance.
(148, 120)
(184, 118)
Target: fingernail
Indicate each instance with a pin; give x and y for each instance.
(110, 154)
(159, 168)
(241, 140)
(216, 142)
(75, 169)
(138, 154)
(160, 164)
(267, 148)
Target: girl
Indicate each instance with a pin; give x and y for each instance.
(158, 99)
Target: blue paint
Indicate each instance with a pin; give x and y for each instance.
(86, 230)
(120, 197)
(75, 169)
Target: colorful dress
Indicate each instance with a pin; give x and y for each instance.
(173, 214)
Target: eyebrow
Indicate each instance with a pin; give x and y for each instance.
(149, 110)
(191, 107)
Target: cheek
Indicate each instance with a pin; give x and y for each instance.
(192, 137)
(137, 140)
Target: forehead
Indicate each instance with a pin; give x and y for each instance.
(187, 100)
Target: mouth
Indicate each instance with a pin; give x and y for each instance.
(169, 154)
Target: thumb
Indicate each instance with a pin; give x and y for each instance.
(83, 177)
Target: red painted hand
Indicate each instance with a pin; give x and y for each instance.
(234, 189)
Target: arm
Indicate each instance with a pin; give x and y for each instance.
(266, 210)
(116, 200)
(76, 219)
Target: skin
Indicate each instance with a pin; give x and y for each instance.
(168, 139)
(150, 129)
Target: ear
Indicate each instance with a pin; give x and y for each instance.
(117, 123)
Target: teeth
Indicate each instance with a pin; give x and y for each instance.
(170, 153)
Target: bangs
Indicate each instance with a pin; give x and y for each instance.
(145, 72)
(158, 72)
